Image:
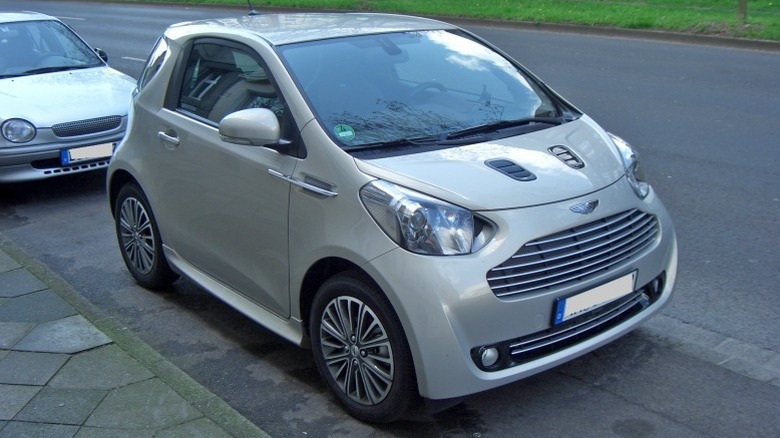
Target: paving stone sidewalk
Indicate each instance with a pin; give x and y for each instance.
(66, 370)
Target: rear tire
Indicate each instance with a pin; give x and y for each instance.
(360, 349)
(139, 239)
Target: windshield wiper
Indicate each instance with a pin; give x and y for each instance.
(435, 141)
(36, 71)
(528, 124)
(426, 140)
(466, 136)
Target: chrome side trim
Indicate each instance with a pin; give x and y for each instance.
(303, 184)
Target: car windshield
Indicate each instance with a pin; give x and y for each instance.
(33, 47)
(413, 88)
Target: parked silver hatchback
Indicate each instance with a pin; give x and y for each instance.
(393, 192)
(62, 108)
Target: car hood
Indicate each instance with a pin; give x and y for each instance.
(51, 98)
(462, 176)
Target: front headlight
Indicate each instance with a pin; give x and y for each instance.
(634, 173)
(18, 130)
(423, 224)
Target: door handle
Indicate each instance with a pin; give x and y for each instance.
(170, 139)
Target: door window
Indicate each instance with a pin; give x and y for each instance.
(220, 79)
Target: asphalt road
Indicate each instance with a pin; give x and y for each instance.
(706, 120)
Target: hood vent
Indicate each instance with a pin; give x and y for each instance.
(511, 169)
(567, 156)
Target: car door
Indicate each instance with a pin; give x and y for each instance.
(226, 215)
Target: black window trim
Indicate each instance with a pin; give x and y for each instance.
(171, 102)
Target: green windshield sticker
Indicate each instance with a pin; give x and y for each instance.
(344, 132)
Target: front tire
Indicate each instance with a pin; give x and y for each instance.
(139, 239)
(360, 349)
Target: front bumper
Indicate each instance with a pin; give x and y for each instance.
(449, 311)
(40, 161)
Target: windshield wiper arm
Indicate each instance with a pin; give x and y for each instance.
(400, 142)
(530, 123)
(425, 141)
(54, 69)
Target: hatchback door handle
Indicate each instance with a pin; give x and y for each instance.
(168, 138)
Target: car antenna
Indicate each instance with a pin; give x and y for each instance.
(252, 10)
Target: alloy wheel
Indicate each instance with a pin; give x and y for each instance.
(137, 235)
(357, 350)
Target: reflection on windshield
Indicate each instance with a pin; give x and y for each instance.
(382, 88)
(32, 47)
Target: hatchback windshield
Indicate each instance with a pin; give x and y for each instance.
(412, 86)
(32, 47)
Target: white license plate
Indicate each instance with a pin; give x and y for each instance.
(103, 150)
(575, 305)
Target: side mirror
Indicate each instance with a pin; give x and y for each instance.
(102, 54)
(253, 126)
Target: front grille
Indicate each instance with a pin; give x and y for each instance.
(575, 254)
(83, 127)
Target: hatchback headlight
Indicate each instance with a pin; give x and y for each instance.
(634, 173)
(18, 130)
(422, 224)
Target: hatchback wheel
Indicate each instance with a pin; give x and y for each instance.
(139, 239)
(360, 349)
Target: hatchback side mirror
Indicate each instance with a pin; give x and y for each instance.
(253, 126)
(102, 54)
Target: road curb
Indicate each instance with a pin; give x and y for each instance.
(193, 392)
(740, 357)
(615, 32)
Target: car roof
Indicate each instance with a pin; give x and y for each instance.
(279, 29)
(11, 17)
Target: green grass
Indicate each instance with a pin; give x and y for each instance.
(709, 17)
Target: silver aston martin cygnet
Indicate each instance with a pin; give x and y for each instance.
(393, 192)
(62, 109)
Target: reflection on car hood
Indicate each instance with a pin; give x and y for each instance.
(51, 98)
(460, 175)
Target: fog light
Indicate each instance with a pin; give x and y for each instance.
(488, 356)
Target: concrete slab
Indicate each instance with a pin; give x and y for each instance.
(19, 282)
(61, 406)
(13, 332)
(67, 335)
(106, 368)
(200, 428)
(43, 306)
(18, 429)
(102, 432)
(146, 405)
(13, 398)
(25, 368)
(7, 263)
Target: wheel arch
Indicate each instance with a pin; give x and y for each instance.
(315, 277)
(115, 183)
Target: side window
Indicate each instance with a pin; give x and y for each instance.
(153, 64)
(222, 79)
